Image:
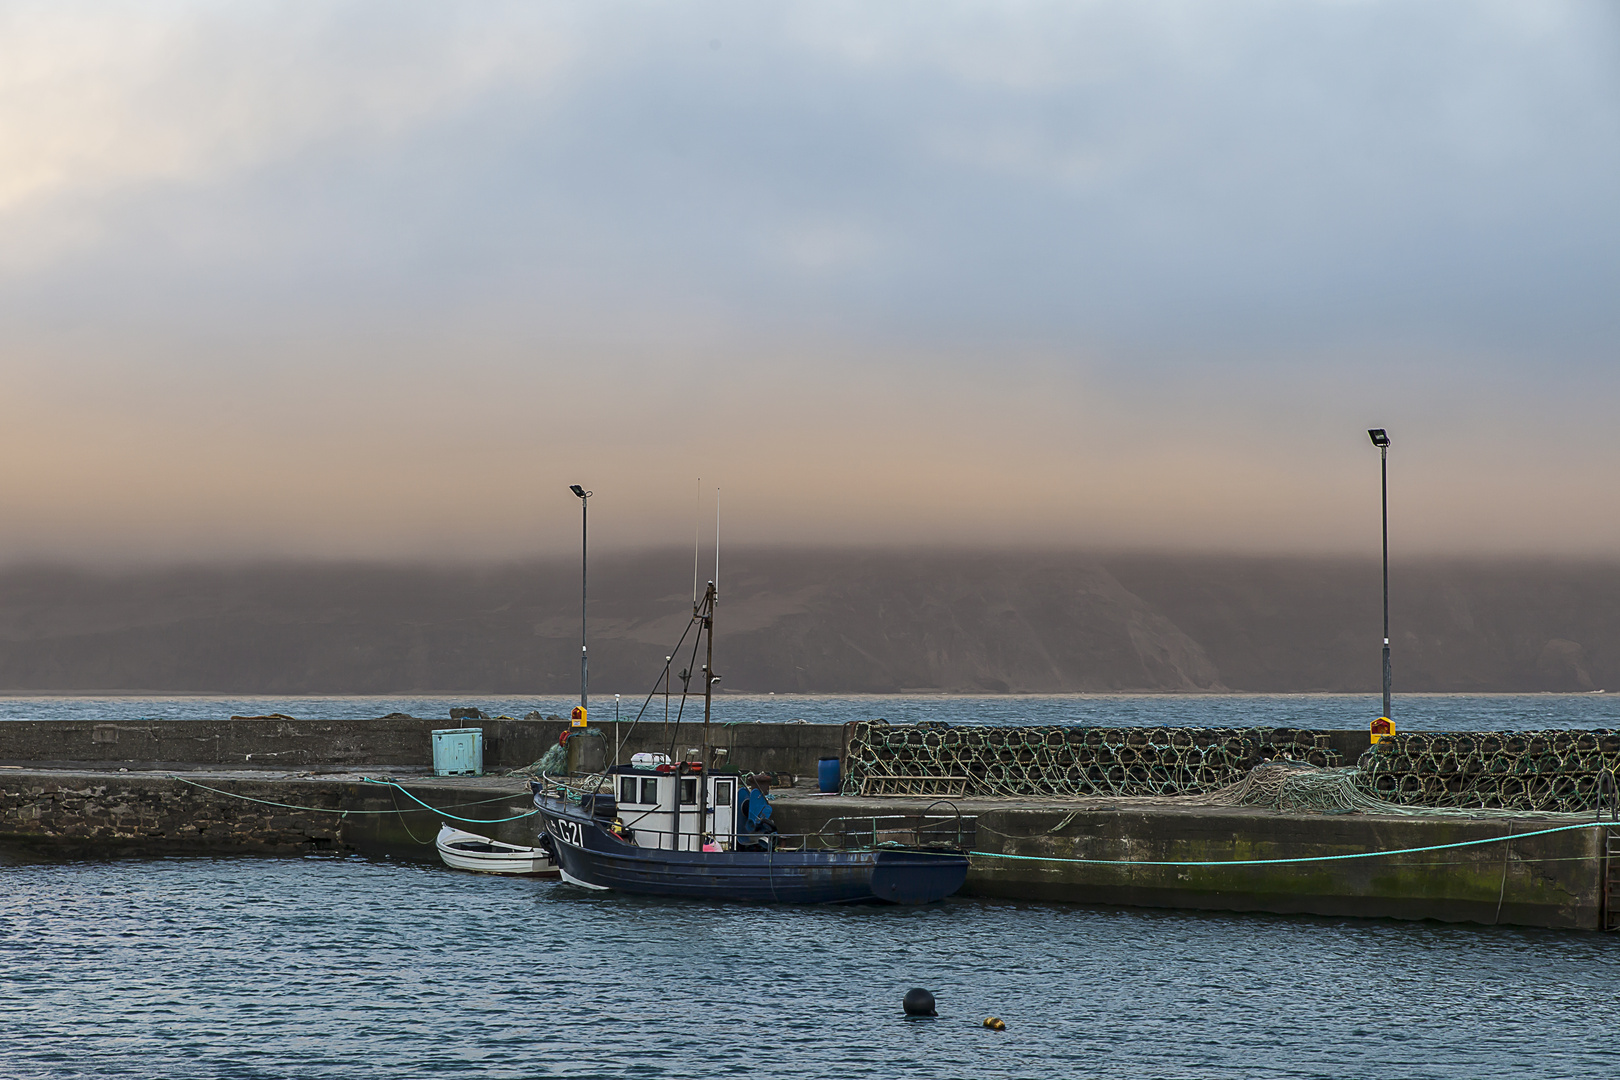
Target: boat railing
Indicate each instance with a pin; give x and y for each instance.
(940, 832)
(940, 825)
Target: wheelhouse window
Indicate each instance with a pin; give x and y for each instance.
(627, 789)
(722, 793)
(649, 790)
(689, 791)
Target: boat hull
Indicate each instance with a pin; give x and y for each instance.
(462, 850)
(591, 856)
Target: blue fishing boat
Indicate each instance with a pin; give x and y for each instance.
(678, 828)
(655, 847)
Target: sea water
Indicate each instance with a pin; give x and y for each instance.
(1422, 712)
(333, 967)
(346, 967)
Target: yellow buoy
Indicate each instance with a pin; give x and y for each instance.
(995, 1023)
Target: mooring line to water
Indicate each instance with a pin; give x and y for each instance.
(366, 779)
(404, 823)
(1303, 859)
(1507, 854)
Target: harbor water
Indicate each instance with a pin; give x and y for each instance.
(345, 967)
(332, 967)
(1422, 712)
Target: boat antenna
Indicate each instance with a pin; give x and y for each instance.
(697, 528)
(709, 679)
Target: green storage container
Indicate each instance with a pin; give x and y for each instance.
(458, 752)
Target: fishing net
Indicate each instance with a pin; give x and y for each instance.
(1292, 786)
(554, 762)
(936, 759)
(1295, 787)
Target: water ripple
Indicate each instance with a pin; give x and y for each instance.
(338, 968)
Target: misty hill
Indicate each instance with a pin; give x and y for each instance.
(818, 621)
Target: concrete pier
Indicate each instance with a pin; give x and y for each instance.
(181, 787)
(1550, 880)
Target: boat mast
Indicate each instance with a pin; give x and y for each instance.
(708, 624)
(708, 668)
(706, 613)
(706, 755)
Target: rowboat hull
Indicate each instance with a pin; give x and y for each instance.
(463, 850)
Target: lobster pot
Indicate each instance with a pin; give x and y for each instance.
(458, 752)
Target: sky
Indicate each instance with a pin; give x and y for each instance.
(381, 279)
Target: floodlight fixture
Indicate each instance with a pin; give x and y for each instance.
(1378, 435)
(577, 490)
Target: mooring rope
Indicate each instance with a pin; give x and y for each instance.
(452, 817)
(1301, 859)
(272, 802)
(365, 779)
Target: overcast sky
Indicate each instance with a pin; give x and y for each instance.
(381, 279)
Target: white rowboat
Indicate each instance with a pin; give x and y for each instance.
(468, 851)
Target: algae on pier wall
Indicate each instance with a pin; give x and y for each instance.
(1552, 880)
(210, 814)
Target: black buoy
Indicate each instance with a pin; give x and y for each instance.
(918, 1002)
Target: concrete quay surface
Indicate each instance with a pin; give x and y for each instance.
(284, 743)
(1550, 880)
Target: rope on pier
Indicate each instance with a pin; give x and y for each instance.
(1302, 859)
(272, 802)
(442, 813)
(345, 813)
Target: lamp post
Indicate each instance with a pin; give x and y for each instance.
(584, 539)
(1380, 439)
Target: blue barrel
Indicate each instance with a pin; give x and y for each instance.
(827, 773)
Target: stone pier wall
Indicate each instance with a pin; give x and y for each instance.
(147, 813)
(1553, 880)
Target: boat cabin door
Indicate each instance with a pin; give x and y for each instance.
(722, 823)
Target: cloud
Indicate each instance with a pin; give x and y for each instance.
(366, 277)
(100, 96)
(96, 99)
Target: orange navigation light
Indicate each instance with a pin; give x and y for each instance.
(579, 716)
(1381, 728)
